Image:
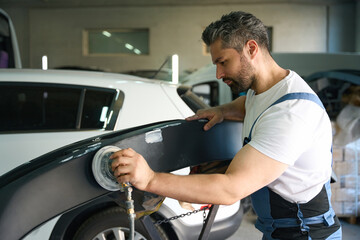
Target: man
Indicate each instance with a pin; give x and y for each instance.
(285, 163)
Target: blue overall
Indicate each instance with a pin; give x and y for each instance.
(281, 219)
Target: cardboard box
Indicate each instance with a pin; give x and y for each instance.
(338, 154)
(346, 168)
(345, 197)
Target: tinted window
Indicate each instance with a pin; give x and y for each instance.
(208, 92)
(96, 108)
(191, 99)
(56, 107)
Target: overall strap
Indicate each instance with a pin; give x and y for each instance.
(267, 224)
(261, 199)
(290, 96)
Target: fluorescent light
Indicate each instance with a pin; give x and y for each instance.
(129, 46)
(103, 113)
(137, 51)
(106, 33)
(175, 68)
(44, 61)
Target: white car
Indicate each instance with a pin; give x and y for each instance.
(54, 121)
(211, 90)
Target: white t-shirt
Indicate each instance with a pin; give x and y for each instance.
(295, 132)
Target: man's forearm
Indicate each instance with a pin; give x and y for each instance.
(234, 110)
(197, 188)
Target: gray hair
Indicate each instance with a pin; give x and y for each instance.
(235, 29)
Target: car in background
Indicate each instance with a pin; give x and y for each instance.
(212, 91)
(339, 90)
(308, 65)
(50, 117)
(164, 74)
(332, 87)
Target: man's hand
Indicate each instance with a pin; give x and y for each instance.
(234, 110)
(129, 166)
(214, 115)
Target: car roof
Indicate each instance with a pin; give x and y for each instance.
(347, 75)
(74, 77)
(206, 73)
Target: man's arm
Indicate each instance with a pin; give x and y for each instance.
(249, 171)
(234, 110)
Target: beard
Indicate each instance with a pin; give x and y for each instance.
(244, 78)
(241, 84)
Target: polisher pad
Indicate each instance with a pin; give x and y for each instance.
(101, 167)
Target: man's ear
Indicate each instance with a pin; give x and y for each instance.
(252, 48)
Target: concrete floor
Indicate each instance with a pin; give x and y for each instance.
(249, 232)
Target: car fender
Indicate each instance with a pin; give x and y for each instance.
(62, 180)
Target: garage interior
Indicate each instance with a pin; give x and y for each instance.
(303, 34)
(175, 27)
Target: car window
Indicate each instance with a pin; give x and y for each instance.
(54, 107)
(96, 108)
(208, 92)
(193, 101)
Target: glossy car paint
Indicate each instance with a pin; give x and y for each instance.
(145, 102)
(31, 190)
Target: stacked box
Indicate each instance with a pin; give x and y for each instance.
(345, 197)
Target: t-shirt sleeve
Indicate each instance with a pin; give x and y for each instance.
(284, 133)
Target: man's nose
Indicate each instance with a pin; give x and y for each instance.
(219, 73)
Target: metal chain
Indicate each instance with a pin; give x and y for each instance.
(204, 216)
(166, 220)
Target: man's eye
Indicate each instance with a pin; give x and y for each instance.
(222, 63)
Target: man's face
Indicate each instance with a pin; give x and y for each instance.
(233, 67)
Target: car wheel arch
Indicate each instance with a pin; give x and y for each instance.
(70, 221)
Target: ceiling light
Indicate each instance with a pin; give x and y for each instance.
(129, 46)
(44, 61)
(175, 68)
(106, 33)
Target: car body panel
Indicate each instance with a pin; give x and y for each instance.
(20, 147)
(43, 230)
(61, 180)
(28, 146)
(351, 76)
(128, 117)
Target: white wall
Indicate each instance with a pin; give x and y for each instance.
(57, 33)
